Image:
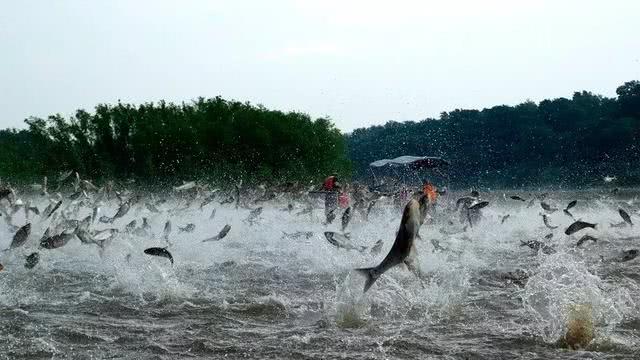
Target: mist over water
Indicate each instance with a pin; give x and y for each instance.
(260, 294)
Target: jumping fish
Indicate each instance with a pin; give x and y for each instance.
(577, 226)
(221, 234)
(57, 241)
(342, 241)
(21, 236)
(403, 249)
(185, 186)
(53, 209)
(478, 205)
(585, 239)
(625, 216)
(122, 211)
(158, 251)
(86, 238)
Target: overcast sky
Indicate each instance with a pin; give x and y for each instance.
(359, 62)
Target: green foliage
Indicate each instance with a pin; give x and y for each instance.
(160, 144)
(561, 142)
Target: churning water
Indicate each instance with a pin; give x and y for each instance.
(260, 294)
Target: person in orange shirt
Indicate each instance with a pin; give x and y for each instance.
(430, 191)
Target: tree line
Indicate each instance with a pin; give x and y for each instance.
(559, 142)
(160, 144)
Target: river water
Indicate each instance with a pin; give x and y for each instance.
(260, 294)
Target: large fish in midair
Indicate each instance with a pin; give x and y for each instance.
(625, 216)
(577, 226)
(57, 241)
(51, 209)
(21, 236)
(158, 251)
(403, 249)
(585, 239)
(87, 238)
(122, 211)
(342, 241)
(185, 186)
(221, 234)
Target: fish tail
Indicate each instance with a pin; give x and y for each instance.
(371, 275)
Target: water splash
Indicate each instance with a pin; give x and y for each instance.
(569, 302)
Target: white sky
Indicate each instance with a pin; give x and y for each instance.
(359, 62)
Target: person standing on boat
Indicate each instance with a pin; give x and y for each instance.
(332, 189)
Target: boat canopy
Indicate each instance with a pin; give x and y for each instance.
(414, 162)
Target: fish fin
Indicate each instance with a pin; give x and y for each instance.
(411, 266)
(371, 277)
